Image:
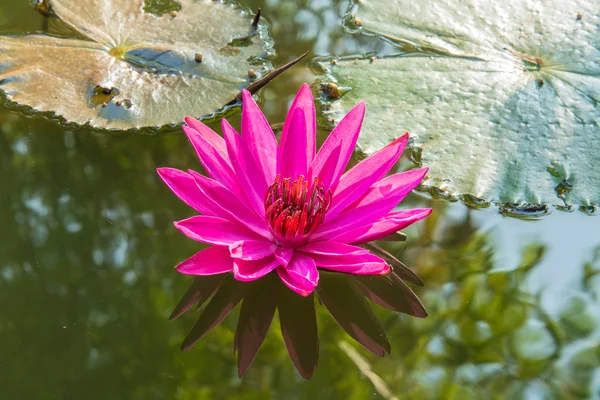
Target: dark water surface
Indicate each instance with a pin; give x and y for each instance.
(87, 250)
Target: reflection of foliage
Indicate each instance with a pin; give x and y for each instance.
(77, 240)
(591, 270)
(86, 280)
(486, 336)
(86, 250)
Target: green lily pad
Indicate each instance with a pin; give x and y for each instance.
(501, 98)
(134, 68)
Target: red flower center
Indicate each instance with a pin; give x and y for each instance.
(294, 210)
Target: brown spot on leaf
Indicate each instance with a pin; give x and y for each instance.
(229, 51)
(101, 95)
(43, 7)
(331, 90)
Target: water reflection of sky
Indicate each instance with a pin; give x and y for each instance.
(570, 238)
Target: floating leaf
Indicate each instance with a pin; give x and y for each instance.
(137, 69)
(502, 98)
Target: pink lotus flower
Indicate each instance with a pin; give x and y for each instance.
(285, 208)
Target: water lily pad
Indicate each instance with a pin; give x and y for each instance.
(134, 68)
(502, 98)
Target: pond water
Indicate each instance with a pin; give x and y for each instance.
(87, 250)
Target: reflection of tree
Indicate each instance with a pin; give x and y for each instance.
(86, 280)
(486, 337)
(86, 283)
(591, 271)
(86, 265)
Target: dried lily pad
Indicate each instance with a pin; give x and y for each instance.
(137, 69)
(502, 99)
